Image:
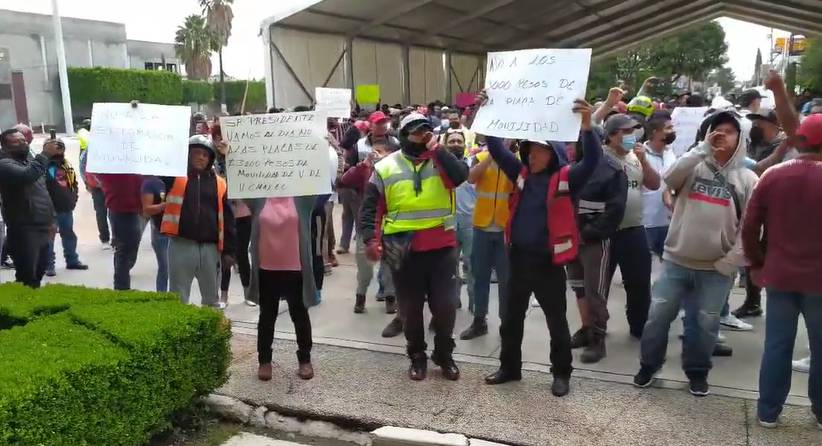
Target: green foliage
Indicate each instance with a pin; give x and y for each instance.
(90, 85)
(694, 52)
(109, 369)
(724, 77)
(199, 92)
(234, 90)
(810, 66)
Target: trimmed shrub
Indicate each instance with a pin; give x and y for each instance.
(199, 92)
(234, 90)
(98, 84)
(104, 370)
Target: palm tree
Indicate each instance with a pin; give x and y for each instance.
(194, 45)
(218, 18)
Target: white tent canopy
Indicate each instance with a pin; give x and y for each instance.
(375, 41)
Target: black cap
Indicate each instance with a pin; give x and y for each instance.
(770, 116)
(749, 96)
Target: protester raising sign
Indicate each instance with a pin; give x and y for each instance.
(147, 139)
(686, 122)
(531, 94)
(277, 155)
(335, 102)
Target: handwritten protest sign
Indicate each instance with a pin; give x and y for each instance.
(686, 122)
(148, 139)
(531, 94)
(335, 102)
(367, 94)
(277, 155)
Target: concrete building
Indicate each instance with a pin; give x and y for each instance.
(28, 62)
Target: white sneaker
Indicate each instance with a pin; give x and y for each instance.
(768, 424)
(534, 302)
(802, 365)
(107, 247)
(732, 322)
(250, 303)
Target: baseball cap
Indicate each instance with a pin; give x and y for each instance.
(377, 117)
(414, 122)
(748, 96)
(620, 121)
(769, 116)
(810, 131)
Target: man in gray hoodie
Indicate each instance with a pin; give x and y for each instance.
(702, 251)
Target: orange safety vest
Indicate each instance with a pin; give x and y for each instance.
(174, 207)
(493, 189)
(563, 234)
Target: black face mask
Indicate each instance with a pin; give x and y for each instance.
(670, 138)
(757, 136)
(412, 148)
(459, 152)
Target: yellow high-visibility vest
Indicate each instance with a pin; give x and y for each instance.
(408, 209)
(493, 190)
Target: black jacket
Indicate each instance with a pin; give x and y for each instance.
(23, 192)
(601, 203)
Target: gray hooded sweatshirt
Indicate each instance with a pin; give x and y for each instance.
(706, 222)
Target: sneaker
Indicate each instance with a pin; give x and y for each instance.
(768, 424)
(479, 327)
(534, 302)
(746, 310)
(698, 386)
(342, 250)
(7, 264)
(732, 322)
(50, 272)
(419, 367)
(645, 377)
(595, 350)
(250, 303)
(802, 365)
(359, 304)
(722, 350)
(560, 386)
(721, 338)
(107, 247)
(77, 266)
(580, 338)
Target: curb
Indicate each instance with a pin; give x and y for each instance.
(232, 409)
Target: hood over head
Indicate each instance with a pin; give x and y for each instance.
(558, 147)
(721, 117)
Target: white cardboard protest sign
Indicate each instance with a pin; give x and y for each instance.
(531, 94)
(335, 102)
(686, 122)
(148, 139)
(277, 155)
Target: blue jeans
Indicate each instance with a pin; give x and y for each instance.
(677, 284)
(784, 308)
(126, 228)
(656, 239)
(65, 227)
(159, 243)
(465, 242)
(489, 251)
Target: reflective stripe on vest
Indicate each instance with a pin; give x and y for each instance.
(408, 209)
(174, 206)
(493, 189)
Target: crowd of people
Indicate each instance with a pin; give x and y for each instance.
(436, 207)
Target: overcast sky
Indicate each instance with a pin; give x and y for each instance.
(157, 20)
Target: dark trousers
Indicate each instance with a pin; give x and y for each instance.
(288, 285)
(65, 227)
(127, 230)
(243, 225)
(29, 249)
(428, 274)
(350, 209)
(318, 246)
(753, 294)
(629, 251)
(535, 273)
(99, 199)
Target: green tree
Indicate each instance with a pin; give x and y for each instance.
(810, 66)
(194, 45)
(218, 20)
(724, 77)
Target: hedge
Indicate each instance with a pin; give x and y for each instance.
(99, 367)
(198, 92)
(234, 90)
(90, 85)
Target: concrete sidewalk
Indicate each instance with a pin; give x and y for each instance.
(365, 389)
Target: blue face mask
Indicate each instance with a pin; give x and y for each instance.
(628, 142)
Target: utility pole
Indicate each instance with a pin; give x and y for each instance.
(61, 67)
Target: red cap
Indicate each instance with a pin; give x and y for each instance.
(811, 130)
(377, 117)
(362, 125)
(26, 131)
